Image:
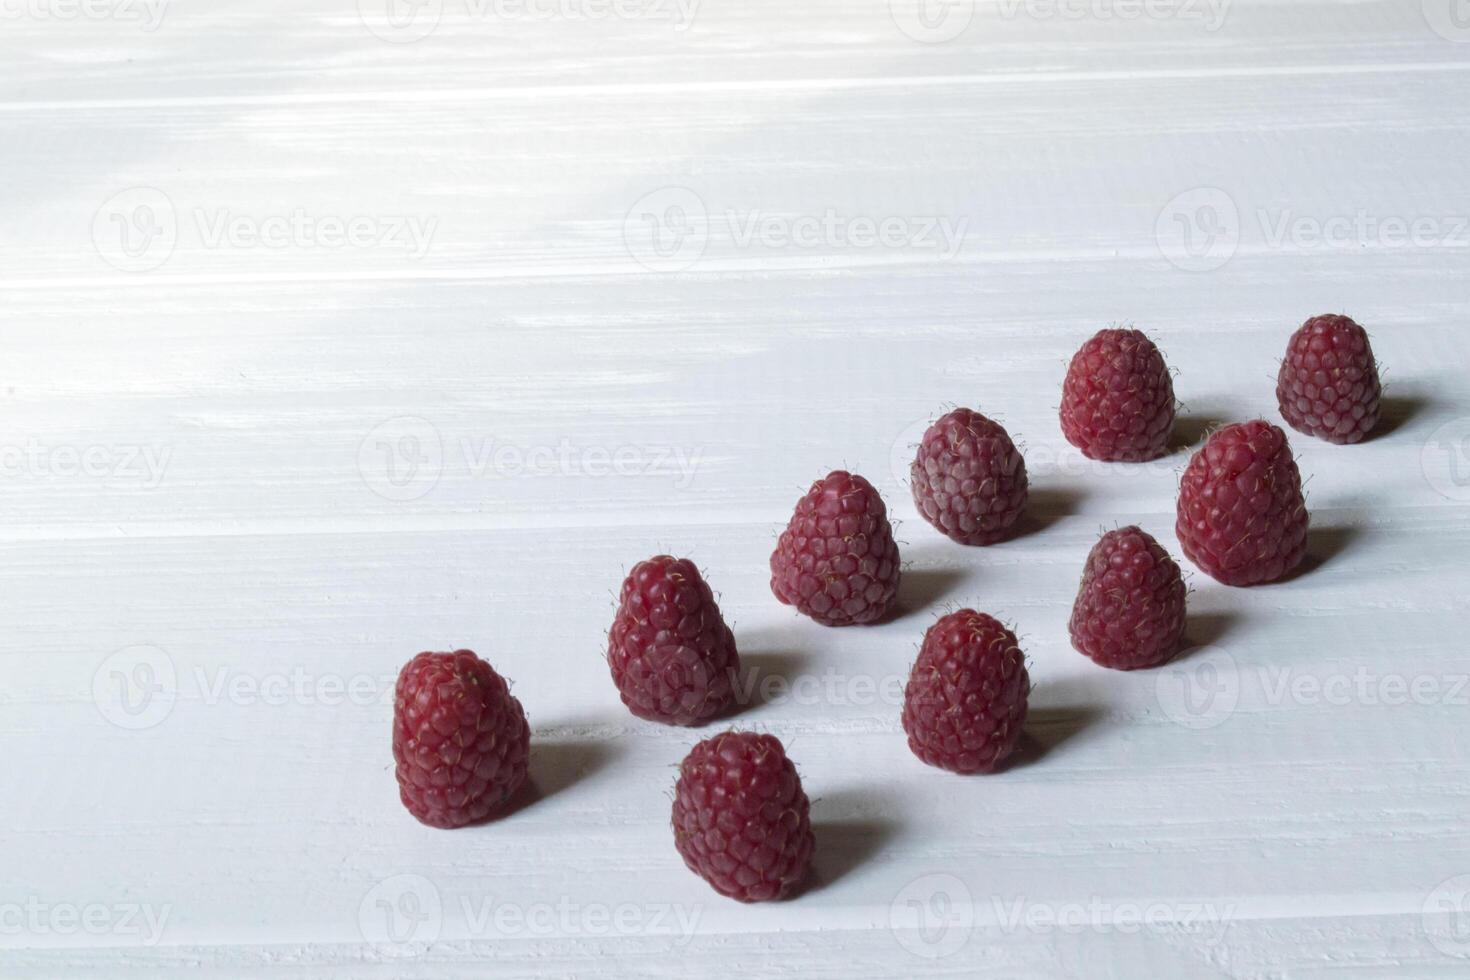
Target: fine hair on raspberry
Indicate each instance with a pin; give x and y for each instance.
(1118, 398)
(460, 739)
(741, 819)
(1329, 384)
(671, 654)
(969, 479)
(1130, 608)
(837, 561)
(1242, 516)
(965, 702)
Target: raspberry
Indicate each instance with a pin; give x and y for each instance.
(837, 561)
(1130, 610)
(1118, 399)
(741, 819)
(1242, 516)
(459, 737)
(1328, 386)
(671, 654)
(966, 697)
(968, 479)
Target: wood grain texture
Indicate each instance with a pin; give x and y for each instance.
(618, 287)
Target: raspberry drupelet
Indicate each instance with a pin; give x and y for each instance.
(460, 739)
(837, 561)
(1242, 515)
(1118, 399)
(965, 701)
(1329, 385)
(741, 819)
(968, 478)
(1129, 612)
(672, 657)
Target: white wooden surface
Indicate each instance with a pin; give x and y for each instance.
(245, 480)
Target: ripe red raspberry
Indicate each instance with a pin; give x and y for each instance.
(1242, 516)
(459, 737)
(1118, 399)
(837, 561)
(965, 701)
(671, 654)
(741, 819)
(1329, 386)
(1130, 610)
(968, 479)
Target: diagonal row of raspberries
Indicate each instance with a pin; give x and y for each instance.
(741, 818)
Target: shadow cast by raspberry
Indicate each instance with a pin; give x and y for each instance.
(849, 833)
(556, 766)
(1046, 506)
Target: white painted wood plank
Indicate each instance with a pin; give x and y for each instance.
(206, 448)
